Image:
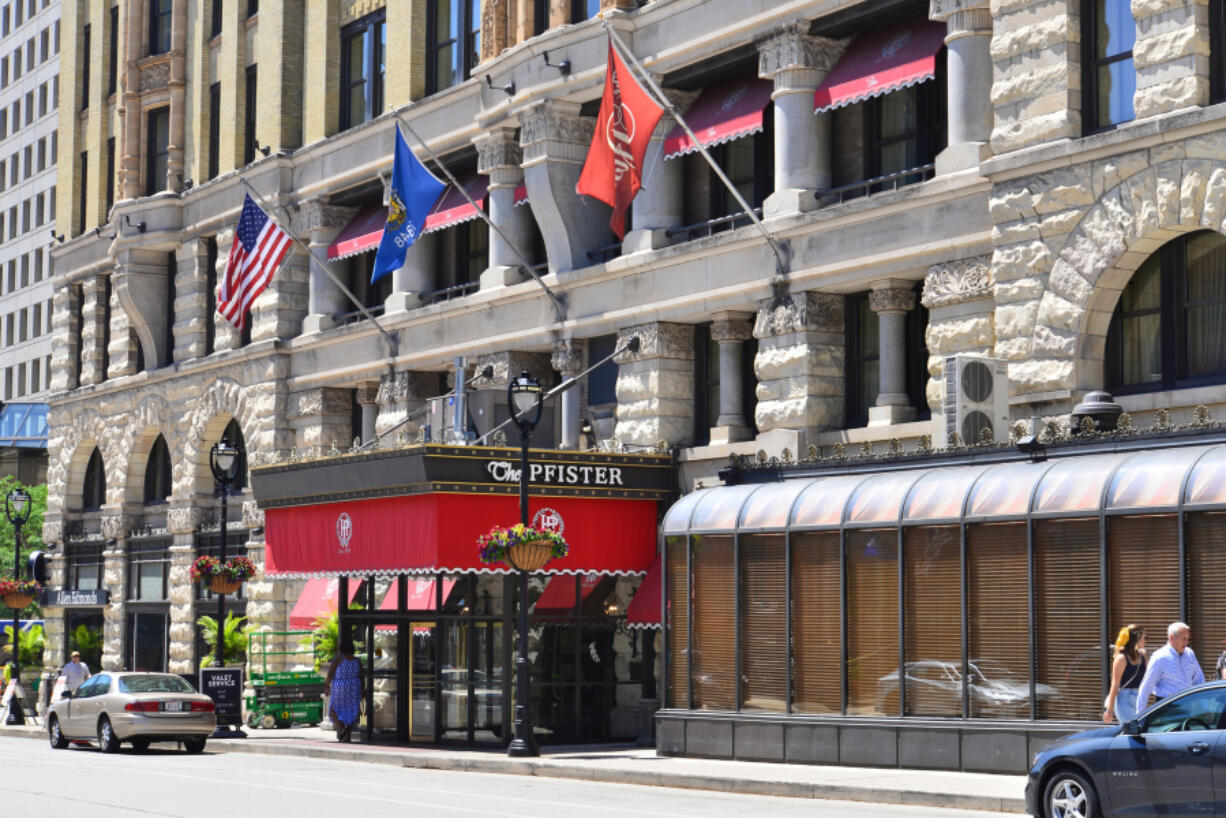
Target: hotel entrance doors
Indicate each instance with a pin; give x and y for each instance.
(457, 682)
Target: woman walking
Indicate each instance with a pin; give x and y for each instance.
(1127, 671)
(345, 689)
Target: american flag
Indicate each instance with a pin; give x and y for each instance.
(259, 246)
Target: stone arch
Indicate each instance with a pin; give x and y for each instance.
(150, 418)
(225, 399)
(1116, 234)
(88, 430)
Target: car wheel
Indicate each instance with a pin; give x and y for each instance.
(140, 744)
(1070, 795)
(194, 745)
(107, 742)
(58, 741)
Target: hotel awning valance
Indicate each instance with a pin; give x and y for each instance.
(318, 599)
(361, 235)
(644, 610)
(437, 532)
(557, 601)
(452, 208)
(521, 195)
(1146, 481)
(421, 596)
(881, 62)
(721, 114)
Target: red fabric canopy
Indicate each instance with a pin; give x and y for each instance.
(438, 532)
(521, 195)
(644, 610)
(360, 235)
(721, 114)
(558, 598)
(881, 62)
(318, 599)
(452, 208)
(421, 595)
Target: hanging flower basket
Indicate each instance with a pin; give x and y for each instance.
(224, 585)
(222, 578)
(521, 547)
(18, 593)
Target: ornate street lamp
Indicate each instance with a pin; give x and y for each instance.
(524, 398)
(17, 508)
(225, 460)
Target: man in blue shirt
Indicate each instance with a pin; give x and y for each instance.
(1172, 668)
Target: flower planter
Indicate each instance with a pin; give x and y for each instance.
(223, 585)
(17, 601)
(531, 555)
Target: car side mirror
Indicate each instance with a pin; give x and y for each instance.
(67, 694)
(1132, 728)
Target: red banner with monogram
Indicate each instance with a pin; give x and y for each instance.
(437, 532)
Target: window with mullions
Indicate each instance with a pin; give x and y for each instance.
(214, 129)
(83, 566)
(249, 126)
(148, 570)
(159, 26)
(363, 49)
(85, 63)
(749, 163)
(112, 73)
(157, 150)
(371, 295)
(1108, 76)
(93, 494)
(707, 383)
(862, 355)
(157, 473)
(1168, 324)
(905, 129)
(453, 42)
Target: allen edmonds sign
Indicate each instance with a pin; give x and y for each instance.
(93, 598)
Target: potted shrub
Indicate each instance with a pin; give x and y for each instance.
(234, 634)
(18, 593)
(222, 578)
(522, 547)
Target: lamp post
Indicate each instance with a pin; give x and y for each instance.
(225, 459)
(524, 398)
(17, 509)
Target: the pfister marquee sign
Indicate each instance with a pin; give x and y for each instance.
(463, 469)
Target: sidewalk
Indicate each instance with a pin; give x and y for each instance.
(620, 764)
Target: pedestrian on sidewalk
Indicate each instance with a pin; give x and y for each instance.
(75, 672)
(1173, 667)
(345, 689)
(1127, 670)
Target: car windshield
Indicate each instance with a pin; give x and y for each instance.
(154, 684)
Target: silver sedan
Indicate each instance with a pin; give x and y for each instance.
(110, 708)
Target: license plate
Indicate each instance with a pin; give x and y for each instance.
(175, 707)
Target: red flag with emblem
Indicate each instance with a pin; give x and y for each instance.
(613, 172)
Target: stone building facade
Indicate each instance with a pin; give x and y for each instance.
(972, 210)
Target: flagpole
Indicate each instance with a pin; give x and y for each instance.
(780, 255)
(326, 267)
(559, 307)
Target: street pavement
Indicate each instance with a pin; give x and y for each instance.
(785, 786)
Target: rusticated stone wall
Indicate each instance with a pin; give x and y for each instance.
(800, 362)
(1171, 55)
(655, 386)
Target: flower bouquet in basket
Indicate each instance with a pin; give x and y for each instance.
(18, 593)
(519, 546)
(222, 578)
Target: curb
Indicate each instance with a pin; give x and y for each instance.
(545, 768)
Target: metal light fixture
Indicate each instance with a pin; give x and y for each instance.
(225, 461)
(523, 396)
(1032, 447)
(140, 226)
(563, 66)
(508, 89)
(17, 508)
(1100, 408)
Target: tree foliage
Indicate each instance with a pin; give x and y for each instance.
(31, 536)
(234, 634)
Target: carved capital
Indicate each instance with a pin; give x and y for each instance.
(891, 299)
(508, 364)
(498, 149)
(657, 340)
(568, 357)
(810, 311)
(253, 515)
(318, 215)
(116, 525)
(404, 386)
(731, 326)
(53, 531)
(794, 49)
(959, 281)
(943, 10)
(183, 519)
(368, 393)
(554, 130)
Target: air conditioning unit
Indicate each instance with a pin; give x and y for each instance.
(976, 398)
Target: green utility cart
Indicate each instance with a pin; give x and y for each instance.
(283, 698)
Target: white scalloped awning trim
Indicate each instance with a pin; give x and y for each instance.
(878, 92)
(730, 137)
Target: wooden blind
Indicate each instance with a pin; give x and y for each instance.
(932, 621)
(1205, 540)
(1142, 575)
(816, 636)
(714, 642)
(1068, 603)
(872, 620)
(677, 618)
(763, 635)
(998, 614)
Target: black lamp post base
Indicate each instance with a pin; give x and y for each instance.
(523, 749)
(16, 714)
(228, 731)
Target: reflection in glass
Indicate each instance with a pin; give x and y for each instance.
(713, 663)
(1140, 324)
(1069, 628)
(763, 635)
(822, 502)
(998, 618)
(1150, 479)
(872, 620)
(1205, 300)
(677, 620)
(932, 569)
(1207, 484)
(1075, 484)
(817, 685)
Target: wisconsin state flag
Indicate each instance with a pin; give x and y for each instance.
(613, 172)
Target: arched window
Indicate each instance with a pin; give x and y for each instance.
(157, 473)
(234, 434)
(94, 493)
(1168, 325)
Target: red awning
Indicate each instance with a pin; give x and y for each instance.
(881, 62)
(421, 595)
(452, 208)
(318, 599)
(421, 533)
(521, 195)
(644, 610)
(721, 114)
(558, 599)
(361, 235)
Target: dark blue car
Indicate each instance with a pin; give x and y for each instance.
(1164, 762)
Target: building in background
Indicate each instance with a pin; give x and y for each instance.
(29, 148)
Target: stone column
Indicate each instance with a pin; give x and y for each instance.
(660, 205)
(891, 300)
(568, 360)
(182, 521)
(320, 417)
(124, 346)
(968, 41)
(961, 300)
(178, 97)
(191, 299)
(555, 140)
(799, 364)
(415, 276)
(138, 310)
(499, 156)
(400, 396)
(225, 335)
(66, 325)
(797, 63)
(94, 307)
(115, 528)
(655, 386)
(731, 330)
(321, 223)
(368, 399)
